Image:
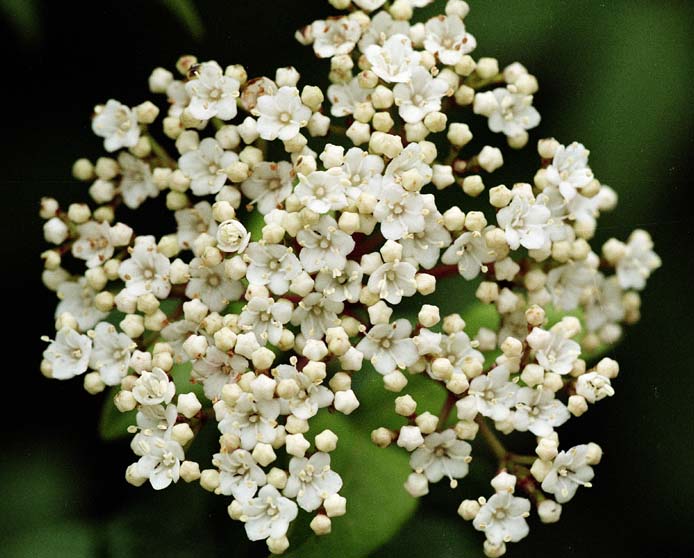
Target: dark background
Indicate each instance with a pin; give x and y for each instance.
(614, 74)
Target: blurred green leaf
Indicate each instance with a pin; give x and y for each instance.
(70, 539)
(188, 15)
(377, 504)
(24, 17)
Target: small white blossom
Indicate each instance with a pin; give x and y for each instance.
(252, 420)
(212, 93)
(117, 124)
(441, 455)
(239, 474)
(211, 285)
(146, 271)
(281, 115)
(502, 518)
(399, 212)
(94, 243)
(395, 61)
(335, 36)
(389, 346)
(638, 262)
(446, 38)
(537, 410)
(344, 97)
(323, 191)
(311, 480)
(554, 350)
(569, 470)
(69, 354)
(266, 318)
(268, 515)
(594, 387)
(310, 397)
(382, 27)
(77, 298)
(324, 246)
(111, 353)
(420, 96)
(393, 280)
(136, 184)
(153, 388)
(232, 236)
(216, 369)
(346, 286)
(567, 283)
(470, 252)
(194, 221)
(525, 220)
(490, 395)
(511, 114)
(269, 185)
(205, 167)
(273, 265)
(569, 170)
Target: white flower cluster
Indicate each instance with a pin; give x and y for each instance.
(298, 227)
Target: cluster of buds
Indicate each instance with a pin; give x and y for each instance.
(302, 221)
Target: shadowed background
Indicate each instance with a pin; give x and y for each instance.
(614, 74)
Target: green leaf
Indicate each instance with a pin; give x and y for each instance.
(69, 539)
(113, 424)
(377, 504)
(188, 15)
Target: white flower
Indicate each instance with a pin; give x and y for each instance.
(420, 96)
(175, 334)
(346, 286)
(344, 97)
(424, 248)
(446, 38)
(381, 27)
(94, 243)
(111, 353)
(399, 212)
(269, 185)
(606, 306)
(389, 346)
(335, 36)
(567, 283)
(153, 388)
(323, 191)
(570, 470)
(359, 167)
(205, 167)
(311, 480)
(502, 518)
(136, 183)
(162, 462)
(69, 354)
(524, 220)
(194, 221)
(310, 397)
(250, 419)
(638, 262)
(594, 387)
(217, 369)
(316, 314)
(239, 474)
(55, 230)
(393, 280)
(147, 270)
(412, 157)
(441, 455)
(324, 246)
(554, 350)
(211, 285)
(273, 265)
(117, 124)
(490, 395)
(457, 348)
(268, 515)
(470, 252)
(281, 115)
(177, 97)
(212, 93)
(537, 410)
(512, 113)
(569, 170)
(77, 298)
(266, 318)
(232, 236)
(394, 61)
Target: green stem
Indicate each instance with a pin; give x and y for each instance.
(161, 153)
(493, 442)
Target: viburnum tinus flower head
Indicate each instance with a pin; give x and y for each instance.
(291, 285)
